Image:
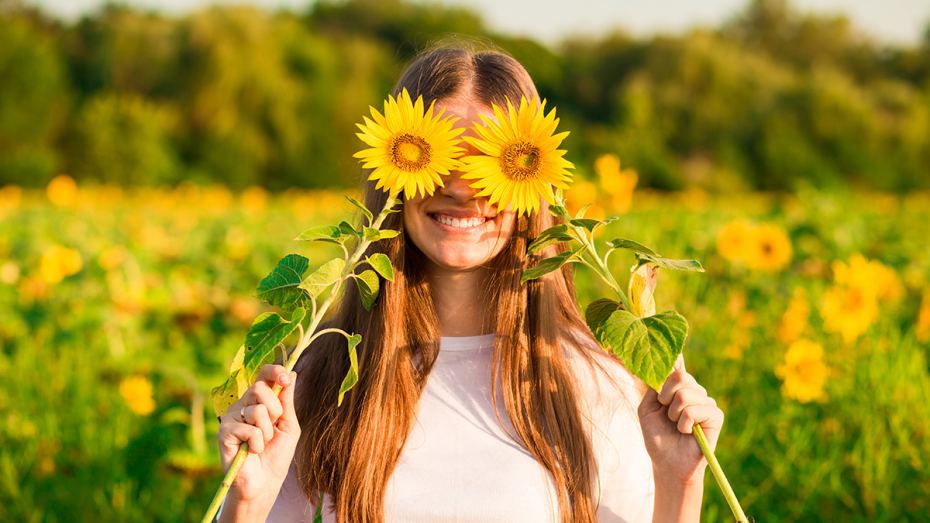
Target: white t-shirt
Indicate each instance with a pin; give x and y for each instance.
(460, 465)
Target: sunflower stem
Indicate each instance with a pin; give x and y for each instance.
(306, 338)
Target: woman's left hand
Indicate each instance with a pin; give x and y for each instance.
(667, 418)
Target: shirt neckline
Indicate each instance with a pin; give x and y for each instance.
(484, 341)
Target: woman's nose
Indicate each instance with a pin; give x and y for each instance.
(457, 187)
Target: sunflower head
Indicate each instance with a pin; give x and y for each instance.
(521, 161)
(410, 147)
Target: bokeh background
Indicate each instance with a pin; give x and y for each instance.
(156, 163)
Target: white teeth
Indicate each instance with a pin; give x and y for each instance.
(462, 224)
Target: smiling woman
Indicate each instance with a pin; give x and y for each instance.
(479, 397)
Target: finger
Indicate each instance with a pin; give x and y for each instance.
(257, 415)
(288, 420)
(680, 362)
(273, 375)
(709, 416)
(241, 432)
(687, 397)
(262, 394)
(676, 380)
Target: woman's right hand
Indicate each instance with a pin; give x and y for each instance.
(269, 424)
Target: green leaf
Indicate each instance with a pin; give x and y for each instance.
(665, 263)
(587, 223)
(352, 376)
(648, 347)
(382, 265)
(281, 288)
(558, 210)
(323, 233)
(373, 235)
(260, 348)
(348, 229)
(232, 389)
(597, 313)
(548, 265)
(631, 245)
(550, 236)
(368, 287)
(326, 275)
(361, 207)
(583, 210)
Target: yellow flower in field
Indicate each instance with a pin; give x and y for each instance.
(851, 305)
(9, 272)
(111, 258)
(620, 184)
(254, 198)
(62, 190)
(410, 147)
(580, 194)
(769, 249)
(804, 374)
(521, 161)
(923, 318)
(137, 391)
(58, 262)
(10, 196)
(794, 321)
(734, 239)
(849, 310)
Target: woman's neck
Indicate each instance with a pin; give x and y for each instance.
(460, 302)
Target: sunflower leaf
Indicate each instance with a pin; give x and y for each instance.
(348, 229)
(583, 210)
(648, 347)
(550, 264)
(368, 288)
(621, 243)
(352, 375)
(382, 265)
(261, 347)
(281, 288)
(361, 207)
(597, 313)
(559, 210)
(666, 263)
(587, 223)
(323, 233)
(322, 278)
(550, 236)
(373, 235)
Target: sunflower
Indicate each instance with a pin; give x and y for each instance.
(410, 147)
(770, 249)
(521, 161)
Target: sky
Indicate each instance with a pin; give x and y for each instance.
(549, 21)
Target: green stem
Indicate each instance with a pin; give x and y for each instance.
(304, 342)
(719, 475)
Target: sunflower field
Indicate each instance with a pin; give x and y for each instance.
(121, 308)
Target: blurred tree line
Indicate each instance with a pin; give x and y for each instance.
(238, 95)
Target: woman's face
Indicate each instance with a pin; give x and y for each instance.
(454, 229)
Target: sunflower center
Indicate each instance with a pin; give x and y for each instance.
(409, 152)
(520, 161)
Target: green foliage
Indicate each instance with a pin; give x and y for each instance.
(283, 287)
(33, 100)
(774, 99)
(648, 346)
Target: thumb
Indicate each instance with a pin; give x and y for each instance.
(650, 402)
(680, 362)
(288, 421)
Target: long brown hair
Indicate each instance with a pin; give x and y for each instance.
(351, 451)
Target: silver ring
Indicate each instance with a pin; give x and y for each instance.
(242, 415)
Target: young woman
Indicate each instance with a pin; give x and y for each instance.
(479, 399)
